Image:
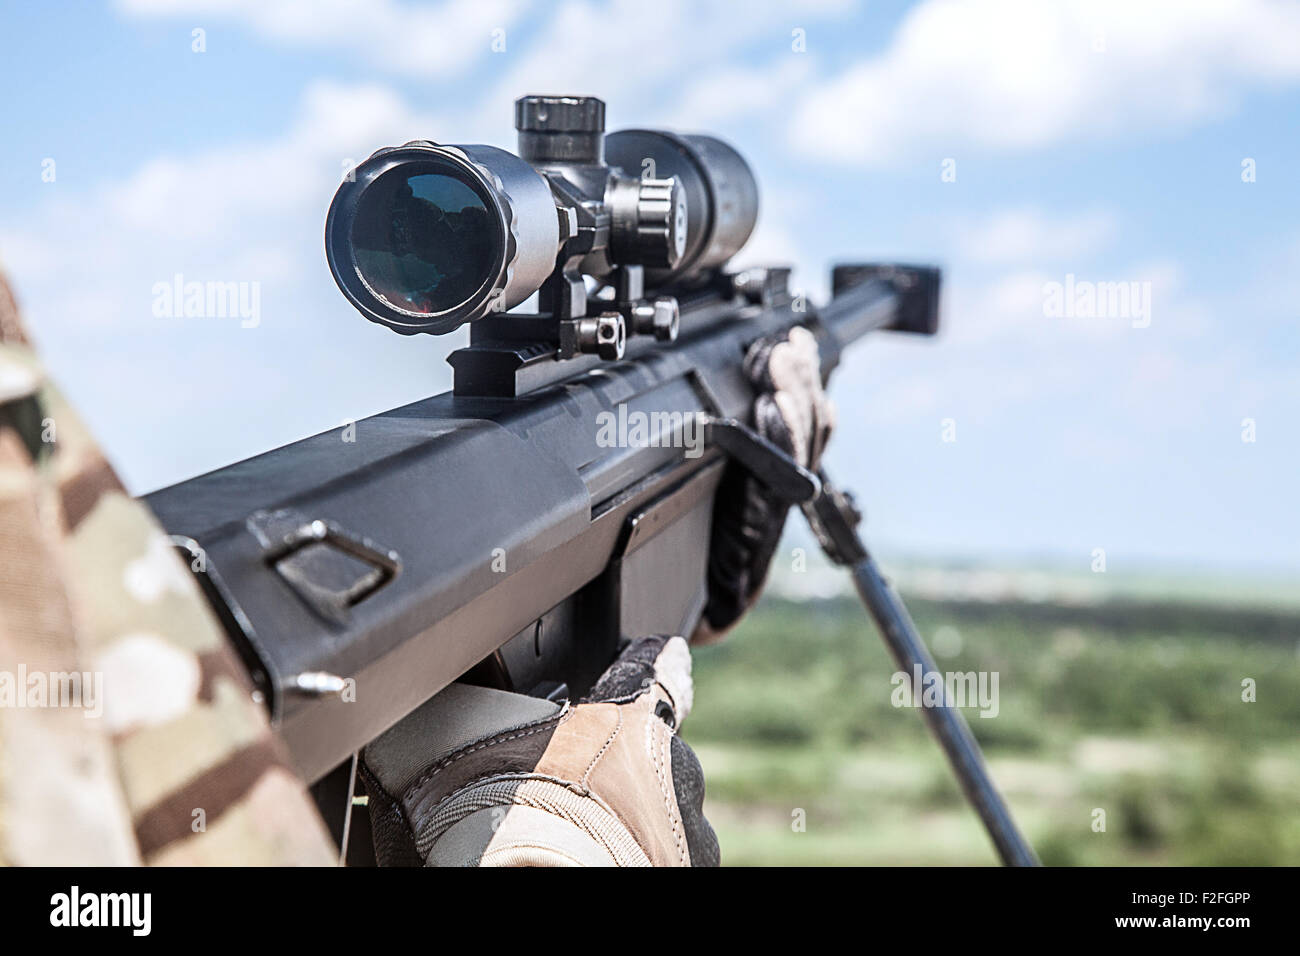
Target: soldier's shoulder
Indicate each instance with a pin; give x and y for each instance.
(21, 377)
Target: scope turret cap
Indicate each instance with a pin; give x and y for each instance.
(560, 114)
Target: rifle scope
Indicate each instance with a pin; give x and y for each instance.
(426, 237)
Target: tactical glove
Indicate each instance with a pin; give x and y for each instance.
(792, 411)
(480, 777)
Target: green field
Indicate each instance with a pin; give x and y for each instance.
(1130, 706)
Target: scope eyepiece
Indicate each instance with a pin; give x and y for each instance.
(423, 238)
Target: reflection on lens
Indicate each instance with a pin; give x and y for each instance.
(424, 241)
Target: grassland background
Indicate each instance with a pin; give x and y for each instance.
(1131, 704)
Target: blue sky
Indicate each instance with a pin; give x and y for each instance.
(1103, 140)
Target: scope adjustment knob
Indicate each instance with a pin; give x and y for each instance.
(661, 221)
(560, 114)
(649, 221)
(561, 129)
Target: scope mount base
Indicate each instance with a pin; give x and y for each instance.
(512, 353)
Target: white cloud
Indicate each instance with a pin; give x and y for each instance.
(732, 91)
(249, 212)
(404, 38)
(653, 57)
(86, 264)
(1031, 234)
(208, 195)
(1020, 74)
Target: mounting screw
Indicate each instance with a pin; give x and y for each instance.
(604, 334)
(659, 318)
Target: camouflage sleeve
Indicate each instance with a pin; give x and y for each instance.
(127, 728)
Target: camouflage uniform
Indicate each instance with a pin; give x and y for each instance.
(180, 767)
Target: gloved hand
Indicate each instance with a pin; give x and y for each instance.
(792, 411)
(480, 777)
